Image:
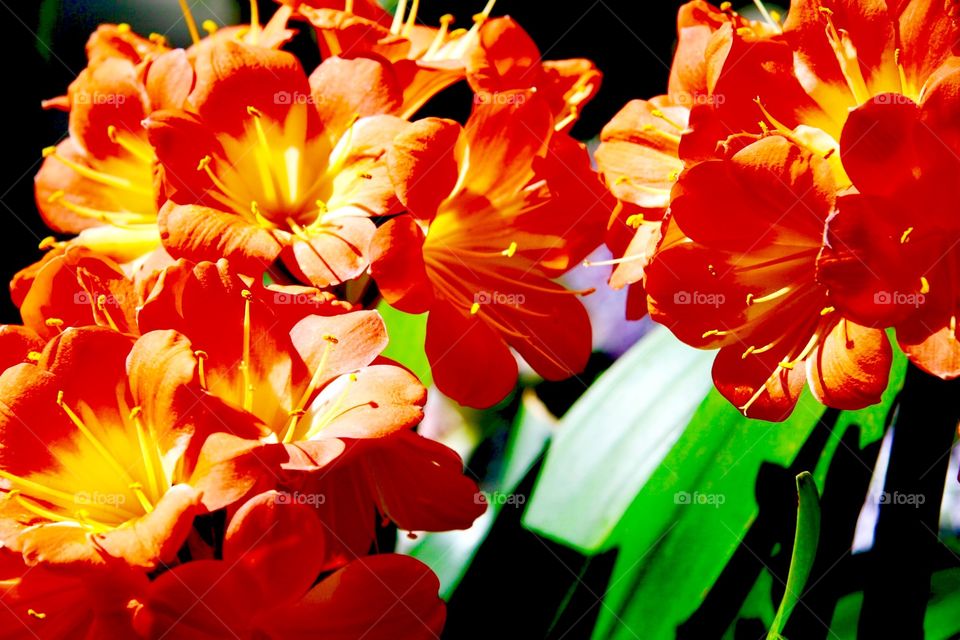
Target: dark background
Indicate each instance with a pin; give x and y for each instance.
(630, 40)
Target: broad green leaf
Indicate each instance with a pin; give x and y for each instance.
(672, 548)
(804, 552)
(611, 441)
(407, 338)
(450, 553)
(692, 514)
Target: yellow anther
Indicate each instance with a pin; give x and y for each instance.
(924, 285)
(635, 220)
(906, 235)
(509, 251)
(34, 356)
(330, 338)
(36, 614)
(474, 308)
(204, 163)
(47, 243)
(253, 111)
(827, 311)
(246, 295)
(123, 27)
(49, 151)
(210, 26)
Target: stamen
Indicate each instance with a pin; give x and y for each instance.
(56, 323)
(846, 56)
(657, 113)
(300, 409)
(438, 40)
(201, 357)
(714, 333)
(254, 21)
(36, 614)
(245, 361)
(102, 307)
(92, 439)
(670, 137)
(509, 251)
(906, 235)
(924, 285)
(114, 218)
(150, 452)
(333, 412)
(263, 157)
(122, 138)
(766, 16)
(97, 176)
(411, 19)
(614, 261)
(210, 27)
(397, 23)
(137, 489)
(191, 23)
(779, 293)
(475, 308)
(47, 243)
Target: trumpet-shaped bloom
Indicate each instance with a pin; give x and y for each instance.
(736, 271)
(890, 254)
(338, 420)
(497, 210)
(99, 435)
(507, 59)
(269, 165)
(420, 60)
(266, 587)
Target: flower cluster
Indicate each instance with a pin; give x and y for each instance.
(199, 436)
(790, 197)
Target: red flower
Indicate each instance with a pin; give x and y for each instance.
(338, 420)
(506, 58)
(497, 210)
(84, 602)
(265, 587)
(891, 256)
(99, 437)
(736, 270)
(267, 165)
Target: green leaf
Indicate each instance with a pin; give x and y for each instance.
(408, 334)
(450, 553)
(692, 514)
(671, 554)
(804, 552)
(611, 441)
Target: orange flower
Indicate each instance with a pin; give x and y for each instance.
(422, 60)
(269, 165)
(497, 210)
(99, 437)
(338, 420)
(639, 152)
(736, 270)
(506, 58)
(266, 587)
(73, 286)
(891, 250)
